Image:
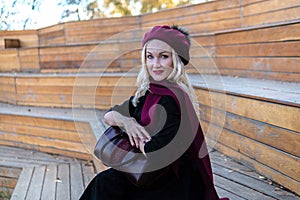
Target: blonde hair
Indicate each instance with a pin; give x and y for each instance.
(178, 76)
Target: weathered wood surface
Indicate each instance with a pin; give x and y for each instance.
(260, 52)
(27, 38)
(48, 130)
(254, 121)
(46, 176)
(236, 181)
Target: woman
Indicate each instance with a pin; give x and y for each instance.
(161, 120)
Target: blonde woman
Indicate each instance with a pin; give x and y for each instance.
(161, 121)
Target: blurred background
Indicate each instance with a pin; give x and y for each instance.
(35, 14)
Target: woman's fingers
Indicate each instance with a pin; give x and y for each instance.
(131, 140)
(136, 132)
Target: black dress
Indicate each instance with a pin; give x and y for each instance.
(186, 184)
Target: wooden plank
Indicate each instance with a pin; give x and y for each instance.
(30, 156)
(256, 184)
(73, 80)
(279, 16)
(268, 6)
(9, 60)
(76, 180)
(287, 65)
(29, 59)
(273, 136)
(277, 76)
(63, 184)
(285, 32)
(259, 152)
(36, 183)
(9, 171)
(48, 29)
(47, 149)
(224, 193)
(239, 189)
(268, 172)
(247, 2)
(52, 34)
(49, 187)
(44, 142)
(204, 40)
(290, 48)
(279, 115)
(58, 124)
(208, 7)
(22, 184)
(66, 49)
(41, 132)
(88, 173)
(103, 22)
(69, 90)
(214, 16)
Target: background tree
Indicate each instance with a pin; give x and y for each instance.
(19, 13)
(28, 14)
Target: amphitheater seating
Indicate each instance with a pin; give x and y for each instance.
(246, 51)
(34, 175)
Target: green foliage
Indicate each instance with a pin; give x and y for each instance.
(4, 195)
(126, 7)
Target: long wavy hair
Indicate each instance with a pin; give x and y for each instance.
(178, 76)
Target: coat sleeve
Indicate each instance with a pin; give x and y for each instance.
(125, 108)
(167, 121)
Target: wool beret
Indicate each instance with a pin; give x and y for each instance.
(173, 37)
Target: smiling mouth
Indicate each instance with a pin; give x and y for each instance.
(158, 71)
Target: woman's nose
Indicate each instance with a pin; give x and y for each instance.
(156, 63)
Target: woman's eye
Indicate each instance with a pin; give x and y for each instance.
(149, 56)
(165, 56)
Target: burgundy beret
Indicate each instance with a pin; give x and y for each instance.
(172, 37)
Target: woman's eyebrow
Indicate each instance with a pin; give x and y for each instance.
(159, 52)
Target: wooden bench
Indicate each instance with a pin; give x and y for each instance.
(257, 118)
(257, 40)
(44, 176)
(54, 131)
(255, 122)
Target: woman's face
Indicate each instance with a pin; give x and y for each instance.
(159, 60)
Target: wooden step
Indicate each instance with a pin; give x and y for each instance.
(44, 176)
(254, 121)
(49, 130)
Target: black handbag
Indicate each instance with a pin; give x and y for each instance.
(114, 150)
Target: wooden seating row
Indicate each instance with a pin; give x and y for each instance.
(264, 53)
(52, 132)
(252, 120)
(66, 90)
(260, 130)
(198, 18)
(37, 175)
(30, 174)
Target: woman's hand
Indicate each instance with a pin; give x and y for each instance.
(137, 134)
(134, 130)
